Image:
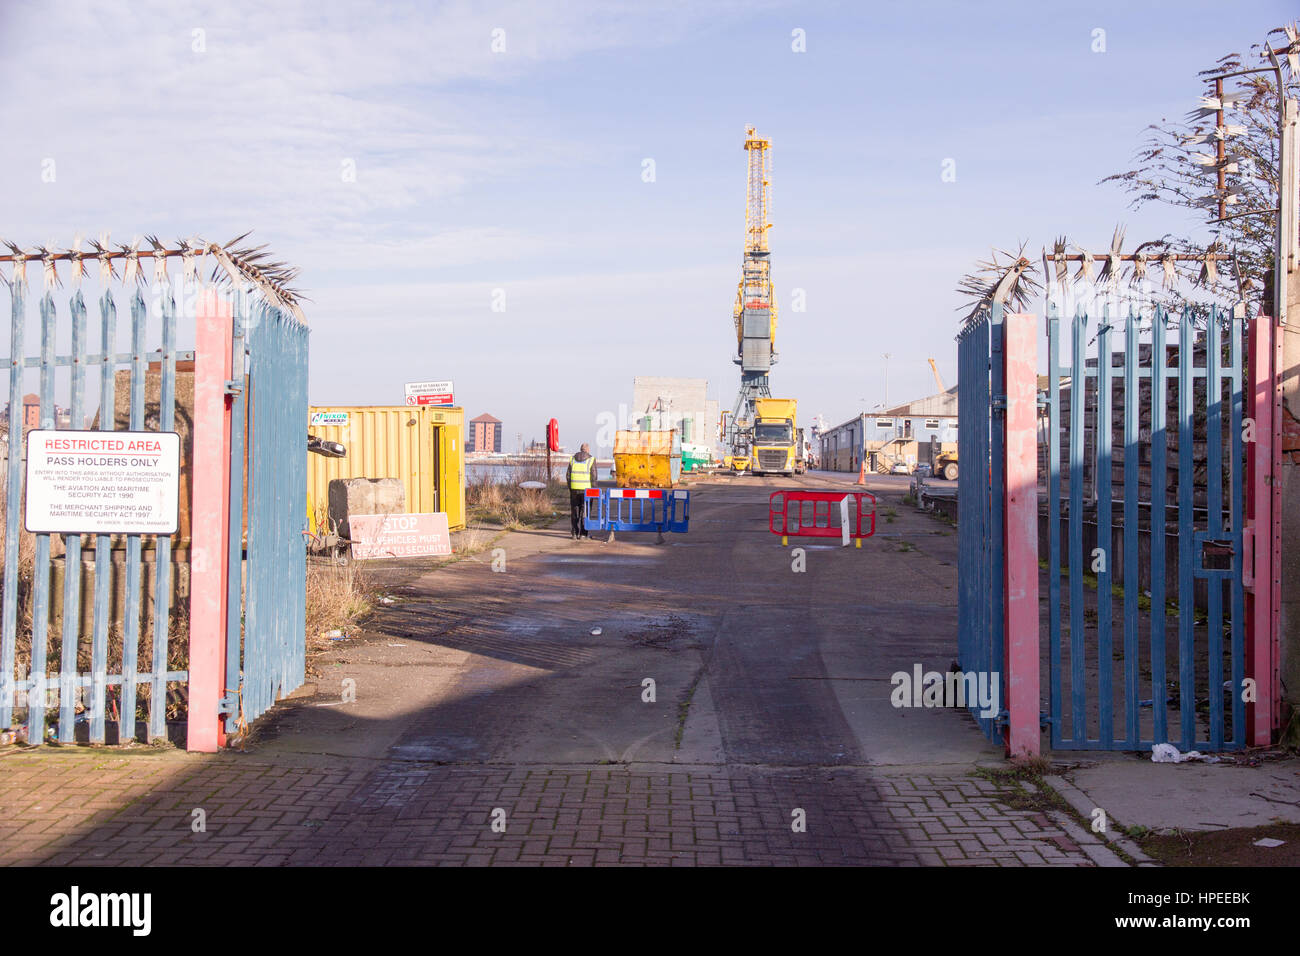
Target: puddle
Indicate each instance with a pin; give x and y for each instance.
(514, 626)
(907, 534)
(596, 559)
(440, 750)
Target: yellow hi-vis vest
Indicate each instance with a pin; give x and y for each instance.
(580, 474)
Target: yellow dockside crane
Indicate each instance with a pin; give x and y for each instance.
(945, 459)
(769, 448)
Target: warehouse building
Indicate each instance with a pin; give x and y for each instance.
(883, 438)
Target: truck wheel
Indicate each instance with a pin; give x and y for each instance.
(950, 471)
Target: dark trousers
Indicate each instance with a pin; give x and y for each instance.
(577, 500)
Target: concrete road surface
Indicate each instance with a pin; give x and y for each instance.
(717, 698)
(753, 662)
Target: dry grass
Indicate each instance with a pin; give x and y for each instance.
(26, 568)
(472, 541)
(1035, 766)
(509, 518)
(485, 494)
(337, 597)
(506, 504)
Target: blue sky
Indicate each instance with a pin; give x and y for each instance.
(521, 171)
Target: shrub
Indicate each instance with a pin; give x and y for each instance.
(337, 597)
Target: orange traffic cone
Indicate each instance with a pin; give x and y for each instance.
(862, 473)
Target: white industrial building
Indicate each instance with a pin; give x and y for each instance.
(660, 403)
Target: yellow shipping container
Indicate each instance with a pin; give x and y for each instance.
(422, 446)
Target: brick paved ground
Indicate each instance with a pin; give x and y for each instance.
(104, 808)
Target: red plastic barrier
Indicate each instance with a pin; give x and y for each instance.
(798, 522)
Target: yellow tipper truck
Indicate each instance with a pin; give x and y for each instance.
(774, 448)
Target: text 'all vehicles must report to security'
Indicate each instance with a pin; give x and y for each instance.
(84, 482)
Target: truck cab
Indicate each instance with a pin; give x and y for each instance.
(775, 447)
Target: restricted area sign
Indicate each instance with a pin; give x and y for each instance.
(429, 393)
(88, 482)
(399, 536)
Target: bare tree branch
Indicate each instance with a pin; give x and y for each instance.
(1175, 166)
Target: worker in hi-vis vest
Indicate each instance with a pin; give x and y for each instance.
(581, 475)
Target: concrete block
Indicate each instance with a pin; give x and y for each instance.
(364, 496)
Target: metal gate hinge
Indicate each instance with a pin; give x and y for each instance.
(234, 387)
(998, 401)
(228, 704)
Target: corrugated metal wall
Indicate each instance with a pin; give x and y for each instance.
(422, 446)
